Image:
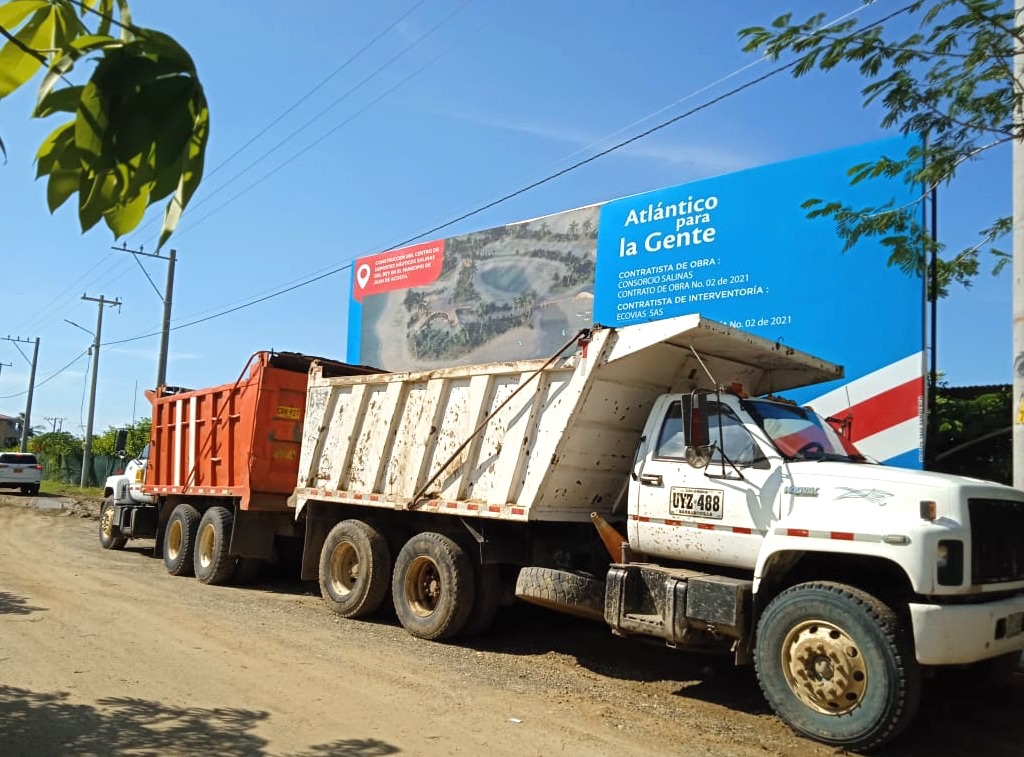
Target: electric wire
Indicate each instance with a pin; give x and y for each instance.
(308, 123)
(323, 82)
(49, 378)
(402, 82)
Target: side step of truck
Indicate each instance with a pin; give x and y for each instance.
(669, 603)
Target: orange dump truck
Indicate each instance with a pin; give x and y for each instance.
(212, 486)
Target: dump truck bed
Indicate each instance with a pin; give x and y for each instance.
(235, 440)
(555, 438)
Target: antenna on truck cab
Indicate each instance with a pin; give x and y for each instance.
(714, 382)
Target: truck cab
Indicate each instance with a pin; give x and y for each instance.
(126, 488)
(754, 525)
(127, 512)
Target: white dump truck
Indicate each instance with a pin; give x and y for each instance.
(723, 521)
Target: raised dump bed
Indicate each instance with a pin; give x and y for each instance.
(527, 440)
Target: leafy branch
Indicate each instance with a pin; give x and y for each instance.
(139, 123)
(951, 81)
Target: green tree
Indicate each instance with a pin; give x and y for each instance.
(58, 444)
(140, 121)
(972, 432)
(951, 78)
(138, 437)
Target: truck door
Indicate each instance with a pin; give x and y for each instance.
(718, 514)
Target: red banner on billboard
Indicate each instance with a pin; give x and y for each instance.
(408, 267)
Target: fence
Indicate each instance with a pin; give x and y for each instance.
(68, 468)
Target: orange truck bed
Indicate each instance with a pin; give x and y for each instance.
(238, 440)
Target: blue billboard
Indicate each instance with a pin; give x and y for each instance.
(737, 248)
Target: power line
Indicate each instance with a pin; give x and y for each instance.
(348, 120)
(49, 378)
(316, 88)
(550, 177)
(295, 132)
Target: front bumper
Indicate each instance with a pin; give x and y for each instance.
(961, 634)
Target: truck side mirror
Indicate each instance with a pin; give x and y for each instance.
(698, 436)
(121, 441)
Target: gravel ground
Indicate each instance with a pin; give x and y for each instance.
(279, 674)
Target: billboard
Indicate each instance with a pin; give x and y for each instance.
(736, 248)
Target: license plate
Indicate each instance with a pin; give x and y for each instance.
(1014, 624)
(18, 470)
(697, 503)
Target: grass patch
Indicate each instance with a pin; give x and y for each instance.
(61, 489)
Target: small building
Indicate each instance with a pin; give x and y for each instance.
(10, 431)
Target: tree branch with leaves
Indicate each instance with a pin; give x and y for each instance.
(139, 123)
(949, 81)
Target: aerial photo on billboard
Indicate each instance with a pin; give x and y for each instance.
(501, 294)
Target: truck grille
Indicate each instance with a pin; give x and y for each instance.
(997, 540)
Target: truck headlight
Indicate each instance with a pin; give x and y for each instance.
(949, 560)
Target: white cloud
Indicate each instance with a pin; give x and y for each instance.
(705, 160)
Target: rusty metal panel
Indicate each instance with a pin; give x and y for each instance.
(241, 440)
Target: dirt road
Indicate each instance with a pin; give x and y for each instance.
(103, 652)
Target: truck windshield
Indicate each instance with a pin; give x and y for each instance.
(800, 434)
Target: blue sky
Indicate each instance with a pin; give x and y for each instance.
(501, 94)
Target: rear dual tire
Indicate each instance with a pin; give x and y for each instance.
(355, 569)
(180, 540)
(212, 562)
(433, 587)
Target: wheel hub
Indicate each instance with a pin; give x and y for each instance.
(423, 586)
(107, 522)
(824, 667)
(344, 570)
(174, 540)
(205, 549)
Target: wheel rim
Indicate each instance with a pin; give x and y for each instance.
(344, 569)
(824, 667)
(107, 523)
(423, 586)
(204, 548)
(174, 540)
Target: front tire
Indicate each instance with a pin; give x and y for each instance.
(180, 540)
(110, 535)
(355, 569)
(211, 561)
(836, 664)
(433, 587)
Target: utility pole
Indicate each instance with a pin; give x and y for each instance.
(165, 331)
(53, 422)
(87, 448)
(8, 365)
(27, 426)
(1018, 255)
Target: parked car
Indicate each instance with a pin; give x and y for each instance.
(20, 470)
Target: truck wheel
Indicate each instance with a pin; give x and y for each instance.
(486, 599)
(836, 665)
(211, 561)
(355, 569)
(433, 587)
(572, 593)
(110, 535)
(180, 540)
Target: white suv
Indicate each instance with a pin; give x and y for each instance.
(20, 470)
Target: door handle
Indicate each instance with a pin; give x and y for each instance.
(651, 479)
